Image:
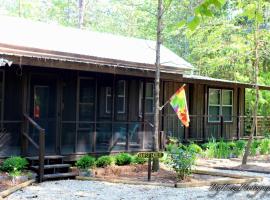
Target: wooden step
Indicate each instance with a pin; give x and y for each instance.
(53, 166)
(59, 175)
(51, 157)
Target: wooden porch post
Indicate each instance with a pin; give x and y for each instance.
(24, 127)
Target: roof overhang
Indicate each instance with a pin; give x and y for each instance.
(219, 82)
(87, 64)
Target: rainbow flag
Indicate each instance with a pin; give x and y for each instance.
(179, 103)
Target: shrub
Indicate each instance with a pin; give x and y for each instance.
(195, 148)
(264, 146)
(254, 147)
(139, 160)
(210, 148)
(123, 159)
(85, 162)
(222, 150)
(170, 147)
(240, 146)
(104, 161)
(14, 165)
(182, 161)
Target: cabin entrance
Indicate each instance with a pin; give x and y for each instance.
(43, 109)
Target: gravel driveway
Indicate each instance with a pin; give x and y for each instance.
(74, 189)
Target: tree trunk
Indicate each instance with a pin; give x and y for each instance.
(157, 89)
(256, 73)
(81, 13)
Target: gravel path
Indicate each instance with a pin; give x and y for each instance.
(74, 189)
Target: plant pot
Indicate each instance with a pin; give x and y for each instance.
(85, 172)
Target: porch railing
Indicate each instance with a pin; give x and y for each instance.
(204, 127)
(40, 146)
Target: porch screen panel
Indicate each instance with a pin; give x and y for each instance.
(10, 113)
(68, 136)
(86, 111)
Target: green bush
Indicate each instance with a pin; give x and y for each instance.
(240, 146)
(14, 165)
(139, 160)
(85, 162)
(195, 148)
(222, 150)
(182, 161)
(254, 147)
(210, 148)
(104, 161)
(123, 159)
(264, 146)
(170, 147)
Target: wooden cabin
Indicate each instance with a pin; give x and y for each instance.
(93, 93)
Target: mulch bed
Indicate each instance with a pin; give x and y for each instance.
(139, 173)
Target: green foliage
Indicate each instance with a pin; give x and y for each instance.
(195, 148)
(139, 160)
(210, 148)
(182, 162)
(14, 165)
(254, 147)
(222, 150)
(85, 162)
(264, 146)
(240, 147)
(104, 161)
(123, 159)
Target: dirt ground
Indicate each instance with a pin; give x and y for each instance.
(139, 173)
(256, 164)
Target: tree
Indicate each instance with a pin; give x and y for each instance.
(157, 83)
(81, 13)
(253, 11)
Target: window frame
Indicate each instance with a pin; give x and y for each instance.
(220, 105)
(123, 111)
(107, 111)
(141, 96)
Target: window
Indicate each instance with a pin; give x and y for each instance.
(149, 98)
(121, 96)
(220, 103)
(86, 100)
(108, 100)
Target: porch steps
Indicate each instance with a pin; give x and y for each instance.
(59, 175)
(36, 167)
(54, 167)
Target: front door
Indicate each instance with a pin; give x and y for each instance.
(43, 109)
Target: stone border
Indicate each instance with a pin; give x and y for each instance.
(13, 189)
(237, 179)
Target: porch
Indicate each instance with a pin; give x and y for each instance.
(101, 113)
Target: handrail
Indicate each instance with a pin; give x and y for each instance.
(31, 140)
(33, 122)
(40, 146)
(148, 122)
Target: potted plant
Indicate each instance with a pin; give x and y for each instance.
(85, 164)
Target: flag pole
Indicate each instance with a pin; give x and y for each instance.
(160, 108)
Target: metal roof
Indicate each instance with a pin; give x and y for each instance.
(29, 38)
(190, 77)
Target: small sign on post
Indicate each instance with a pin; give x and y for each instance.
(150, 155)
